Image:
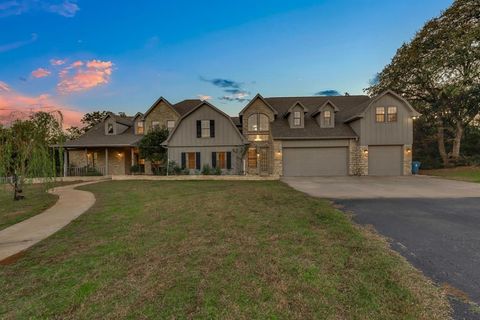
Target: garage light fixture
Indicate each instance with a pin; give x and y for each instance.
(409, 150)
(365, 152)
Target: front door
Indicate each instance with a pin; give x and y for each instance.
(263, 159)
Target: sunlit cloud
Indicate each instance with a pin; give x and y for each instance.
(204, 97)
(40, 73)
(82, 76)
(4, 87)
(17, 44)
(57, 62)
(15, 105)
(239, 97)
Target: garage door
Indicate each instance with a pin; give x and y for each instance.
(385, 160)
(311, 162)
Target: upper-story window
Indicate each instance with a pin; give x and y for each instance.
(380, 114)
(392, 114)
(205, 128)
(110, 128)
(327, 118)
(170, 125)
(155, 125)
(258, 122)
(296, 118)
(140, 129)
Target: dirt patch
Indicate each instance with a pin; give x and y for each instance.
(12, 259)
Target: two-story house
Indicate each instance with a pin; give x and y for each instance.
(281, 136)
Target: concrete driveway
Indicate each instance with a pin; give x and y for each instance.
(434, 223)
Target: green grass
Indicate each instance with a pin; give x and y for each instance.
(214, 250)
(36, 200)
(471, 174)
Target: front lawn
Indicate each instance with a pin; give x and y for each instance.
(471, 174)
(214, 249)
(36, 200)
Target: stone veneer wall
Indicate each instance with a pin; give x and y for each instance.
(161, 113)
(358, 160)
(407, 160)
(277, 158)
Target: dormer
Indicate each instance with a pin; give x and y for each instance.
(325, 115)
(139, 123)
(296, 115)
(110, 124)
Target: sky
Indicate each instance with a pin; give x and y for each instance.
(85, 55)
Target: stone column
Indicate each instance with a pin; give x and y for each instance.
(277, 158)
(148, 167)
(65, 162)
(407, 159)
(106, 161)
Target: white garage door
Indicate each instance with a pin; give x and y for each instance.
(385, 160)
(311, 162)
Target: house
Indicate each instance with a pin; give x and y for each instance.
(280, 136)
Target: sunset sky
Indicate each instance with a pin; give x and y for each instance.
(85, 55)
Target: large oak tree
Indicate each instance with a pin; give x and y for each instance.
(439, 72)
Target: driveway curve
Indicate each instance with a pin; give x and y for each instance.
(71, 204)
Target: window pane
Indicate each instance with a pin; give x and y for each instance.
(380, 114)
(392, 114)
(205, 128)
(296, 121)
(170, 124)
(296, 114)
(110, 128)
(263, 122)
(155, 125)
(252, 123)
(221, 163)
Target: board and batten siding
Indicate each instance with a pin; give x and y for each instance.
(385, 133)
(186, 134)
(175, 154)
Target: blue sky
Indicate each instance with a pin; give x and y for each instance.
(122, 55)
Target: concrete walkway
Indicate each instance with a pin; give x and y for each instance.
(71, 204)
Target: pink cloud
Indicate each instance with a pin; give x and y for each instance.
(4, 86)
(204, 97)
(40, 73)
(58, 62)
(14, 105)
(82, 76)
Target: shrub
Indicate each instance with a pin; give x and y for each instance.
(92, 172)
(206, 170)
(136, 168)
(217, 171)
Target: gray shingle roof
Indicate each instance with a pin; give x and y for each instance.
(185, 106)
(345, 104)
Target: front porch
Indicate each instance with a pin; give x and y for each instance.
(101, 161)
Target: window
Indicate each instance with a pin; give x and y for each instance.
(140, 127)
(327, 118)
(155, 125)
(191, 161)
(110, 128)
(258, 122)
(252, 158)
(296, 118)
(205, 129)
(170, 125)
(221, 160)
(392, 114)
(380, 114)
(253, 123)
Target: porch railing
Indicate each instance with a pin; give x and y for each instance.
(85, 171)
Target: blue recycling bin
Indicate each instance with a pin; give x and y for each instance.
(416, 167)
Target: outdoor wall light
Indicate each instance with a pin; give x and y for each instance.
(365, 152)
(409, 150)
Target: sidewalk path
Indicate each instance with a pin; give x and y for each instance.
(71, 204)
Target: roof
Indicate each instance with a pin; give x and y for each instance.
(96, 137)
(281, 127)
(185, 106)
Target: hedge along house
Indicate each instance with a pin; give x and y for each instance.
(206, 136)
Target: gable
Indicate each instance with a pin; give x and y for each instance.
(185, 133)
(161, 112)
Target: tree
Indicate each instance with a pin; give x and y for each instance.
(91, 119)
(439, 72)
(150, 147)
(73, 133)
(25, 149)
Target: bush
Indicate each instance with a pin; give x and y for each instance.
(137, 169)
(92, 172)
(207, 170)
(217, 171)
